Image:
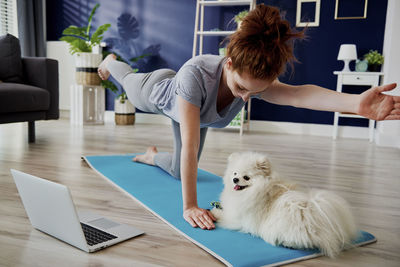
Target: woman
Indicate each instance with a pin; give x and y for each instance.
(208, 91)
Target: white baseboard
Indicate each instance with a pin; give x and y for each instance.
(308, 129)
(64, 114)
(259, 126)
(388, 133)
(387, 140)
(265, 126)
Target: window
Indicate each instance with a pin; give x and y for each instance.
(8, 17)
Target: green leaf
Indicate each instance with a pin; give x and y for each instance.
(97, 35)
(136, 59)
(374, 57)
(81, 46)
(90, 18)
(110, 85)
(119, 58)
(240, 16)
(77, 31)
(123, 97)
(76, 45)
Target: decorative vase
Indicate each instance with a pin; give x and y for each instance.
(124, 112)
(86, 68)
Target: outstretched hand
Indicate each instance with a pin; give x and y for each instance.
(377, 106)
(198, 217)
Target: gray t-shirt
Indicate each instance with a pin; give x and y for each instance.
(197, 82)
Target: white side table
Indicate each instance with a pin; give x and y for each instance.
(355, 78)
(87, 104)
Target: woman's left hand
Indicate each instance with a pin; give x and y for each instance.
(377, 106)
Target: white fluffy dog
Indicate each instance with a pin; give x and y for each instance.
(256, 201)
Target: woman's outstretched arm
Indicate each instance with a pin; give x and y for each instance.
(372, 104)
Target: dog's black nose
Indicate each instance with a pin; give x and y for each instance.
(235, 180)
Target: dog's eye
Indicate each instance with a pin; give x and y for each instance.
(246, 177)
(235, 173)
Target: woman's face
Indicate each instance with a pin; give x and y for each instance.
(244, 85)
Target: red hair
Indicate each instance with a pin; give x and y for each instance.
(263, 44)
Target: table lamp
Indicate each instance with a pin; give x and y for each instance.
(347, 53)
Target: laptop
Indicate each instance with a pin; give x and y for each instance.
(51, 210)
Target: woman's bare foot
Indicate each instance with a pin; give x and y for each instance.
(148, 157)
(102, 69)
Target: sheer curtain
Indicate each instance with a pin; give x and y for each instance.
(31, 27)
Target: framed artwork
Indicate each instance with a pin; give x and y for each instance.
(351, 9)
(304, 4)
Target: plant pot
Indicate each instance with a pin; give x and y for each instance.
(124, 112)
(374, 67)
(86, 68)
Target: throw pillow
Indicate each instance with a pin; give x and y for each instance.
(10, 57)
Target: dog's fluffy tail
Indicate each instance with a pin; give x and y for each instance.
(318, 219)
(333, 221)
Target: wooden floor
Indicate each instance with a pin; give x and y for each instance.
(366, 175)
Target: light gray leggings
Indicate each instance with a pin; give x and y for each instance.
(138, 87)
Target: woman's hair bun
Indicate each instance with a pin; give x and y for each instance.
(265, 23)
(262, 46)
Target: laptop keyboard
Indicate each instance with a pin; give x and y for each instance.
(95, 236)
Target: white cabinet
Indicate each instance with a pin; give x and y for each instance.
(355, 78)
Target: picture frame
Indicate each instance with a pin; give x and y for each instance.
(337, 7)
(314, 23)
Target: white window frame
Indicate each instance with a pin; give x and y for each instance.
(11, 19)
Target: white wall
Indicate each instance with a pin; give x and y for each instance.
(388, 132)
(66, 68)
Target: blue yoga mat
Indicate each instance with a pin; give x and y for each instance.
(161, 194)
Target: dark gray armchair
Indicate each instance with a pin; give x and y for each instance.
(28, 86)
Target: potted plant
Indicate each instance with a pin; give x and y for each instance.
(123, 108)
(375, 60)
(240, 16)
(82, 45)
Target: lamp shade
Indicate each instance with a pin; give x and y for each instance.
(347, 51)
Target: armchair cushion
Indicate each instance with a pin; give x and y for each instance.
(11, 64)
(16, 97)
(43, 72)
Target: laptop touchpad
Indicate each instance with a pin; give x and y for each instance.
(103, 223)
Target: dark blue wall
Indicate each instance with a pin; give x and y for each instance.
(166, 29)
